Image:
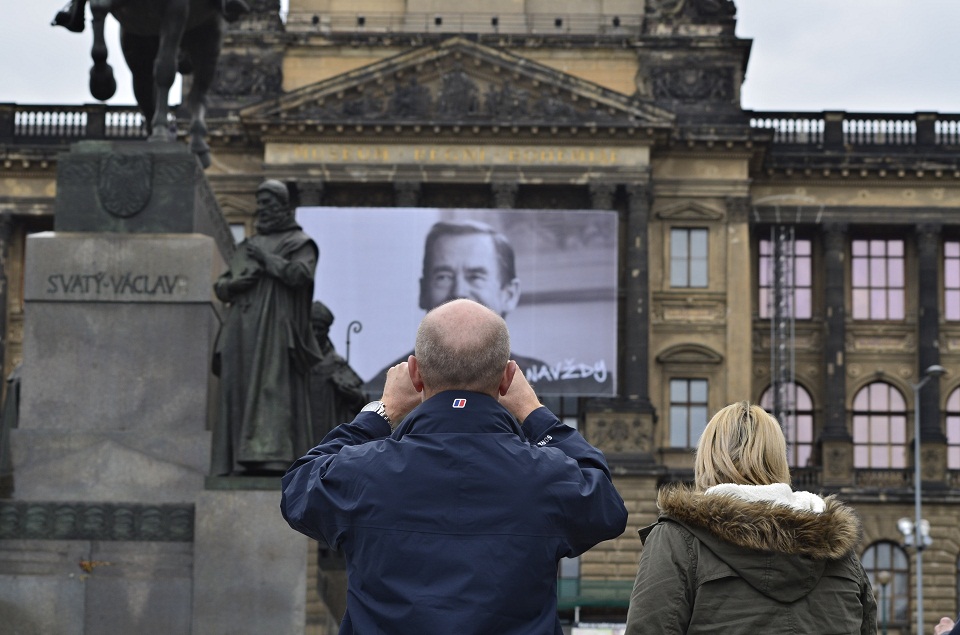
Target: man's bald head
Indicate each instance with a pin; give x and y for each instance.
(462, 345)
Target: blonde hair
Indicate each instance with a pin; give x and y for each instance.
(741, 444)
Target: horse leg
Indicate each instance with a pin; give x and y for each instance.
(102, 83)
(203, 47)
(139, 52)
(165, 64)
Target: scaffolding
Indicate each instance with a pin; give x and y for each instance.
(783, 331)
(782, 310)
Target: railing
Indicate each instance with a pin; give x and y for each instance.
(883, 478)
(574, 592)
(953, 479)
(65, 124)
(810, 130)
(484, 23)
(839, 129)
(805, 478)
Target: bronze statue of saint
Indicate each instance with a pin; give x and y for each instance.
(336, 390)
(265, 347)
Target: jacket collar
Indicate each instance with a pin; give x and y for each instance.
(765, 525)
(458, 411)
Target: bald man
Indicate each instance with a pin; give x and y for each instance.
(451, 515)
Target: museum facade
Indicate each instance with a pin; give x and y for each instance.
(807, 261)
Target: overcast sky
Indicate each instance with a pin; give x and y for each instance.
(854, 55)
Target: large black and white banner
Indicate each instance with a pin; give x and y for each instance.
(551, 273)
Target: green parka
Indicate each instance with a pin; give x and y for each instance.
(721, 564)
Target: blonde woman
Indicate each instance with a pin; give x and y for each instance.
(741, 552)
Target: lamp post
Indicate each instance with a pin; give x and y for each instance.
(883, 577)
(920, 537)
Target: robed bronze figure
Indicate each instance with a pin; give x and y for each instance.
(265, 347)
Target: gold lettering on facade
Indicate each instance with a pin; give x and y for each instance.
(284, 153)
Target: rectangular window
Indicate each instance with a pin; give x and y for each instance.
(688, 411)
(688, 257)
(951, 280)
(877, 273)
(795, 270)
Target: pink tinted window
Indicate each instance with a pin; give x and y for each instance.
(953, 430)
(951, 280)
(798, 268)
(879, 427)
(877, 275)
(798, 425)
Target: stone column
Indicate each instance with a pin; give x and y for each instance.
(6, 234)
(933, 442)
(504, 194)
(623, 427)
(635, 376)
(836, 442)
(310, 193)
(406, 193)
(601, 195)
(739, 333)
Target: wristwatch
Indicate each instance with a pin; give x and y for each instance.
(380, 409)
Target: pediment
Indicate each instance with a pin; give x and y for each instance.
(461, 84)
(689, 211)
(689, 354)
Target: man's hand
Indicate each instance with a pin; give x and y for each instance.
(399, 395)
(519, 399)
(945, 626)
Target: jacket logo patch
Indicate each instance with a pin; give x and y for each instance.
(547, 439)
(459, 403)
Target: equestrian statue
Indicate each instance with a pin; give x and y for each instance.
(159, 38)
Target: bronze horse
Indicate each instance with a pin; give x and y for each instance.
(158, 39)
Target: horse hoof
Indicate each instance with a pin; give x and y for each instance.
(102, 84)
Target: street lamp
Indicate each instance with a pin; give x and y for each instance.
(917, 532)
(883, 577)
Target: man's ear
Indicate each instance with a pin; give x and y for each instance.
(414, 371)
(507, 378)
(510, 295)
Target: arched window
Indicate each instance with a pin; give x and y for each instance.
(888, 561)
(953, 430)
(879, 427)
(797, 428)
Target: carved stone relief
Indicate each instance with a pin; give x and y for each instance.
(96, 521)
(692, 84)
(690, 9)
(248, 75)
(622, 433)
(448, 90)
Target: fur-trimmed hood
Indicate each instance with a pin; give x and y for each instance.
(765, 525)
(779, 550)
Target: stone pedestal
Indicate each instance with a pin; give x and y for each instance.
(137, 187)
(112, 528)
(250, 571)
(116, 394)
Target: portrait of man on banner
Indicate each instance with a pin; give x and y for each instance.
(550, 273)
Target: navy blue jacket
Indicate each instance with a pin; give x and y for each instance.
(454, 524)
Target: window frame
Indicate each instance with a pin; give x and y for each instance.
(764, 291)
(877, 265)
(899, 587)
(687, 406)
(894, 418)
(689, 259)
(793, 444)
